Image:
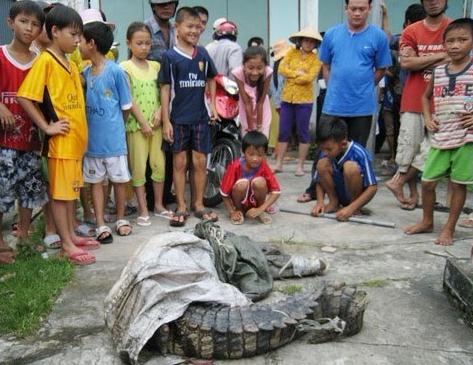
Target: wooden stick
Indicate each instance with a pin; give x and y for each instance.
(371, 222)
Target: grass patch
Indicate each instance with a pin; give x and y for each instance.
(375, 283)
(29, 287)
(290, 289)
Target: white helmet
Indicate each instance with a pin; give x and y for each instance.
(159, 2)
(227, 28)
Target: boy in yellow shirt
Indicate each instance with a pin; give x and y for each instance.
(54, 86)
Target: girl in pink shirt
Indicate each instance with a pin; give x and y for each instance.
(253, 79)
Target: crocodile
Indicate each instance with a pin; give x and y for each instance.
(209, 331)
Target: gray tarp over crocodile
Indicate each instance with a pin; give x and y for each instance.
(161, 279)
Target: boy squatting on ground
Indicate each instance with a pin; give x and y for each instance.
(54, 85)
(249, 187)
(450, 155)
(20, 161)
(344, 172)
(108, 98)
(187, 68)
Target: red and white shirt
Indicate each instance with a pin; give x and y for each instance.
(24, 136)
(236, 171)
(453, 97)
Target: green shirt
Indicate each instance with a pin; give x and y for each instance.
(145, 92)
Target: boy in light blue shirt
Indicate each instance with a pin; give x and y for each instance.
(108, 99)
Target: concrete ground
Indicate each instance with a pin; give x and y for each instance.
(408, 319)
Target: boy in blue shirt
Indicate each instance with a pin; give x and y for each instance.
(344, 172)
(185, 71)
(108, 98)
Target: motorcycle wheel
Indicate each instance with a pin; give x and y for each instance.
(223, 153)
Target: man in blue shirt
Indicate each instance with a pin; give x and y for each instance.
(344, 172)
(355, 55)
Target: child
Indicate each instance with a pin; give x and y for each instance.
(108, 98)
(20, 162)
(452, 126)
(144, 129)
(344, 172)
(54, 84)
(186, 69)
(253, 79)
(300, 67)
(249, 187)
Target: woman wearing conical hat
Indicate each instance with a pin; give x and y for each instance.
(300, 67)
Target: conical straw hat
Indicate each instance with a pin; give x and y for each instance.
(306, 33)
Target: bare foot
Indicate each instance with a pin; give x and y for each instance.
(422, 227)
(397, 191)
(445, 238)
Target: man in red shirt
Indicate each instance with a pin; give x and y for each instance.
(421, 49)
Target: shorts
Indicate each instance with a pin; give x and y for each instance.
(97, 169)
(21, 178)
(358, 127)
(249, 201)
(194, 137)
(65, 178)
(344, 197)
(454, 163)
(413, 143)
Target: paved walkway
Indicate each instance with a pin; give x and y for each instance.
(408, 320)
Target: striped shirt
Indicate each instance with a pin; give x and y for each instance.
(357, 153)
(453, 96)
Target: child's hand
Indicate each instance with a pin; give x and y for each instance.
(300, 73)
(318, 209)
(467, 120)
(168, 133)
(344, 213)
(253, 212)
(214, 118)
(59, 127)
(157, 118)
(7, 119)
(432, 124)
(146, 130)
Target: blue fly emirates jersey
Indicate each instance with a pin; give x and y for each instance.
(187, 75)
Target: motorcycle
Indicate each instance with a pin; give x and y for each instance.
(226, 139)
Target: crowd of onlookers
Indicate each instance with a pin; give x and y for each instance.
(70, 115)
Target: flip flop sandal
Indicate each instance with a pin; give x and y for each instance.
(272, 209)
(80, 258)
(7, 255)
(179, 219)
(265, 218)
(205, 212)
(52, 241)
(123, 223)
(466, 223)
(14, 229)
(104, 235)
(143, 221)
(238, 222)
(167, 214)
(409, 206)
(304, 198)
(84, 230)
(87, 243)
